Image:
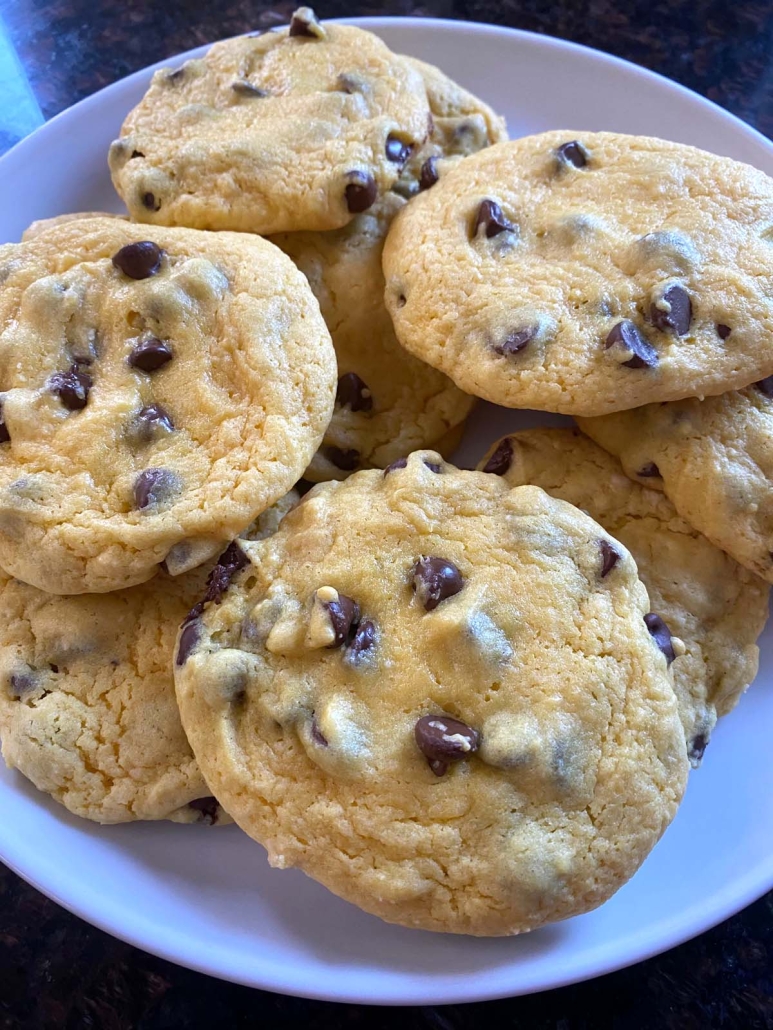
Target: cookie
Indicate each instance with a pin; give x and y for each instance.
(714, 461)
(428, 692)
(587, 273)
(714, 606)
(293, 130)
(161, 388)
(388, 403)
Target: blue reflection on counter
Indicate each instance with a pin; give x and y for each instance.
(19, 110)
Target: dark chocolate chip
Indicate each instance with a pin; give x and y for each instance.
(678, 319)
(53, 668)
(23, 682)
(661, 635)
(697, 747)
(152, 422)
(361, 192)
(317, 735)
(5, 436)
(72, 387)
(626, 335)
(435, 579)
(189, 635)
(151, 201)
(344, 616)
(572, 153)
(347, 461)
(516, 341)
(649, 471)
(208, 809)
(723, 331)
(135, 153)
(609, 557)
(443, 740)
(500, 460)
(155, 486)
(150, 355)
(490, 217)
(397, 151)
(765, 386)
(428, 174)
(230, 561)
(242, 88)
(399, 463)
(363, 641)
(434, 466)
(353, 393)
(303, 23)
(139, 260)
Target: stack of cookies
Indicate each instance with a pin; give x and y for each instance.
(466, 701)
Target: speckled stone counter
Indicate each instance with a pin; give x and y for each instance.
(58, 972)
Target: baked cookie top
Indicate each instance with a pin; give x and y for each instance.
(714, 607)
(388, 403)
(430, 693)
(712, 458)
(160, 388)
(587, 273)
(297, 129)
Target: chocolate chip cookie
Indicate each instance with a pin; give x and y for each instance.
(588, 273)
(433, 694)
(715, 607)
(160, 388)
(292, 130)
(388, 403)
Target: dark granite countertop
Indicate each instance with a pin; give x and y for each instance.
(58, 972)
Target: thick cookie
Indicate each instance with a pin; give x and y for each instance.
(290, 130)
(388, 402)
(713, 605)
(586, 273)
(714, 461)
(87, 704)
(430, 693)
(161, 388)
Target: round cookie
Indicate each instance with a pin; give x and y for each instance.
(587, 273)
(715, 607)
(424, 692)
(161, 388)
(714, 461)
(292, 130)
(388, 402)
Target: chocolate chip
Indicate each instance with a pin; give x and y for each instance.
(491, 218)
(443, 740)
(55, 668)
(516, 341)
(208, 809)
(649, 471)
(428, 174)
(139, 260)
(347, 461)
(344, 616)
(627, 336)
(434, 466)
(189, 635)
(397, 151)
(765, 386)
(677, 319)
(150, 355)
(399, 463)
(23, 682)
(661, 635)
(697, 747)
(723, 331)
(609, 557)
(242, 88)
(155, 486)
(135, 153)
(152, 422)
(317, 735)
(72, 387)
(5, 436)
(305, 23)
(150, 201)
(228, 564)
(363, 641)
(500, 460)
(572, 153)
(435, 579)
(353, 393)
(361, 192)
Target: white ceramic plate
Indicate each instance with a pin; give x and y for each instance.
(207, 898)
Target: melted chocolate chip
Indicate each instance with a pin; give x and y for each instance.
(361, 192)
(151, 201)
(135, 153)
(649, 471)
(304, 22)
(434, 466)
(677, 319)
(765, 386)
(363, 641)
(155, 486)
(150, 355)
(353, 393)
(151, 423)
(242, 88)
(723, 331)
(317, 735)
(443, 740)
(398, 463)
(208, 809)
(72, 387)
(609, 557)
(491, 219)
(189, 635)
(661, 635)
(230, 561)
(428, 174)
(572, 153)
(434, 580)
(139, 260)
(500, 460)
(627, 336)
(347, 461)
(344, 616)
(516, 341)
(697, 747)
(397, 151)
